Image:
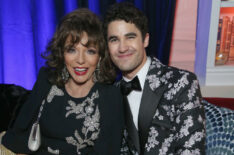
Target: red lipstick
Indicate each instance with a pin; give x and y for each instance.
(80, 71)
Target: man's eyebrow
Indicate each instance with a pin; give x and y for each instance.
(131, 34)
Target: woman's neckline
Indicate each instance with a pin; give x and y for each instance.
(90, 91)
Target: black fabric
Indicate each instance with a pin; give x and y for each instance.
(12, 97)
(127, 87)
(57, 121)
(147, 111)
(133, 133)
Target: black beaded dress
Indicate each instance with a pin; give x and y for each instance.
(87, 125)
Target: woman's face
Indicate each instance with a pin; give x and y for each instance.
(81, 61)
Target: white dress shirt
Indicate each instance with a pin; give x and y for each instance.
(134, 98)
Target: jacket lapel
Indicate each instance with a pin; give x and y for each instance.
(151, 96)
(132, 131)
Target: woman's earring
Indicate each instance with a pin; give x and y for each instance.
(65, 74)
(97, 72)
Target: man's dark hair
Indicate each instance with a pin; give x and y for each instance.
(129, 13)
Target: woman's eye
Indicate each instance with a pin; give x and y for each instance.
(90, 51)
(71, 50)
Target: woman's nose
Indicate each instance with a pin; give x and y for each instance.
(80, 57)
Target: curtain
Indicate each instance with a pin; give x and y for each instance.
(26, 26)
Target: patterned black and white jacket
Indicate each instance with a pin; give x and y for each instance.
(171, 112)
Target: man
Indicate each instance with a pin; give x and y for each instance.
(164, 114)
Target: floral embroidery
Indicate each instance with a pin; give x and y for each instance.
(178, 119)
(200, 119)
(193, 89)
(82, 109)
(155, 64)
(160, 117)
(191, 152)
(91, 125)
(54, 91)
(177, 86)
(50, 150)
(153, 81)
(90, 129)
(180, 95)
(197, 136)
(124, 148)
(170, 111)
(184, 130)
(152, 139)
(165, 145)
(190, 105)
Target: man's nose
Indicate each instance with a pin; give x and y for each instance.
(123, 47)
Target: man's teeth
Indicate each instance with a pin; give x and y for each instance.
(80, 69)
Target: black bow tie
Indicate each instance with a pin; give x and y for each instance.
(127, 87)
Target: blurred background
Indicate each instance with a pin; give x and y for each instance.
(26, 26)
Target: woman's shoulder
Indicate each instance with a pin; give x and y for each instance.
(43, 73)
(42, 83)
(108, 88)
(110, 96)
(110, 92)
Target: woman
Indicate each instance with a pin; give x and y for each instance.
(71, 106)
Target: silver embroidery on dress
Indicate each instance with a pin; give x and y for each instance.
(54, 91)
(50, 150)
(83, 109)
(90, 130)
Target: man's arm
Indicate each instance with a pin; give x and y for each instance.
(190, 126)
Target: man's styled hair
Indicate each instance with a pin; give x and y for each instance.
(129, 13)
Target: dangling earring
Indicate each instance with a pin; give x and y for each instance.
(65, 74)
(97, 72)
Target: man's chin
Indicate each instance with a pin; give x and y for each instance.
(126, 70)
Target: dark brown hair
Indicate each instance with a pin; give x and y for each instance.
(129, 13)
(74, 25)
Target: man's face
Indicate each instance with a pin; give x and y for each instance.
(126, 47)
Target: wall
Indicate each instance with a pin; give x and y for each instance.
(184, 35)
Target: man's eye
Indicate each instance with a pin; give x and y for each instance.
(131, 37)
(113, 40)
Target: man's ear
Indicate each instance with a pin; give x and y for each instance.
(146, 40)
